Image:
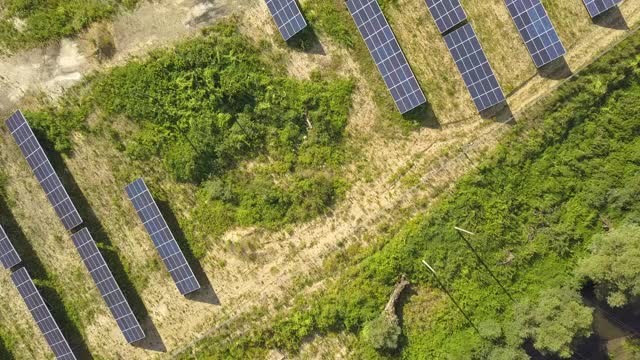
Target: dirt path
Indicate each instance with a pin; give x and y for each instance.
(58, 66)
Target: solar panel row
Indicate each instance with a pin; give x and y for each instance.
(472, 63)
(287, 16)
(386, 53)
(42, 169)
(536, 30)
(107, 285)
(8, 255)
(162, 237)
(41, 314)
(446, 13)
(597, 7)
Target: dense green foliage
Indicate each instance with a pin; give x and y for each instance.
(542, 196)
(325, 16)
(265, 149)
(382, 332)
(45, 20)
(614, 265)
(555, 322)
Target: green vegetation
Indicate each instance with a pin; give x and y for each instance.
(28, 23)
(554, 323)
(328, 19)
(563, 177)
(382, 332)
(264, 149)
(615, 265)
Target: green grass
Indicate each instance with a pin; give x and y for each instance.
(540, 195)
(47, 20)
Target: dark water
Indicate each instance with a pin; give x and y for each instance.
(611, 327)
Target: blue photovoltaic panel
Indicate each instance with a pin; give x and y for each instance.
(386, 53)
(597, 7)
(8, 255)
(446, 13)
(162, 237)
(472, 63)
(42, 169)
(287, 16)
(107, 286)
(536, 30)
(42, 315)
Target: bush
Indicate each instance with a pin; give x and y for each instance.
(614, 265)
(382, 333)
(555, 322)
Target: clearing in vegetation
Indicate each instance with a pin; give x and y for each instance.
(264, 148)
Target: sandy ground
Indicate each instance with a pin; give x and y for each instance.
(395, 173)
(61, 65)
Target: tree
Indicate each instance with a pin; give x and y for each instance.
(555, 322)
(382, 332)
(506, 353)
(614, 265)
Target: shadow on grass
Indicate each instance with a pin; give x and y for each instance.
(404, 299)
(612, 19)
(306, 41)
(36, 269)
(558, 69)
(500, 113)
(206, 293)
(422, 116)
(95, 227)
(4, 352)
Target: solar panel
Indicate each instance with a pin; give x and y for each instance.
(42, 315)
(446, 13)
(287, 16)
(8, 255)
(386, 53)
(472, 63)
(107, 285)
(597, 7)
(42, 169)
(162, 237)
(536, 30)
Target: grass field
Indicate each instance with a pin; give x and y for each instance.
(393, 176)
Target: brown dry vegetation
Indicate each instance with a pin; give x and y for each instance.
(397, 173)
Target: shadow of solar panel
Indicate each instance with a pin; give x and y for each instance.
(162, 238)
(42, 315)
(446, 13)
(107, 285)
(536, 30)
(287, 16)
(597, 7)
(44, 172)
(8, 255)
(472, 63)
(386, 53)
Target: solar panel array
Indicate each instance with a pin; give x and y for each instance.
(8, 255)
(107, 285)
(446, 13)
(44, 172)
(386, 53)
(536, 30)
(42, 315)
(287, 16)
(472, 63)
(162, 237)
(597, 7)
